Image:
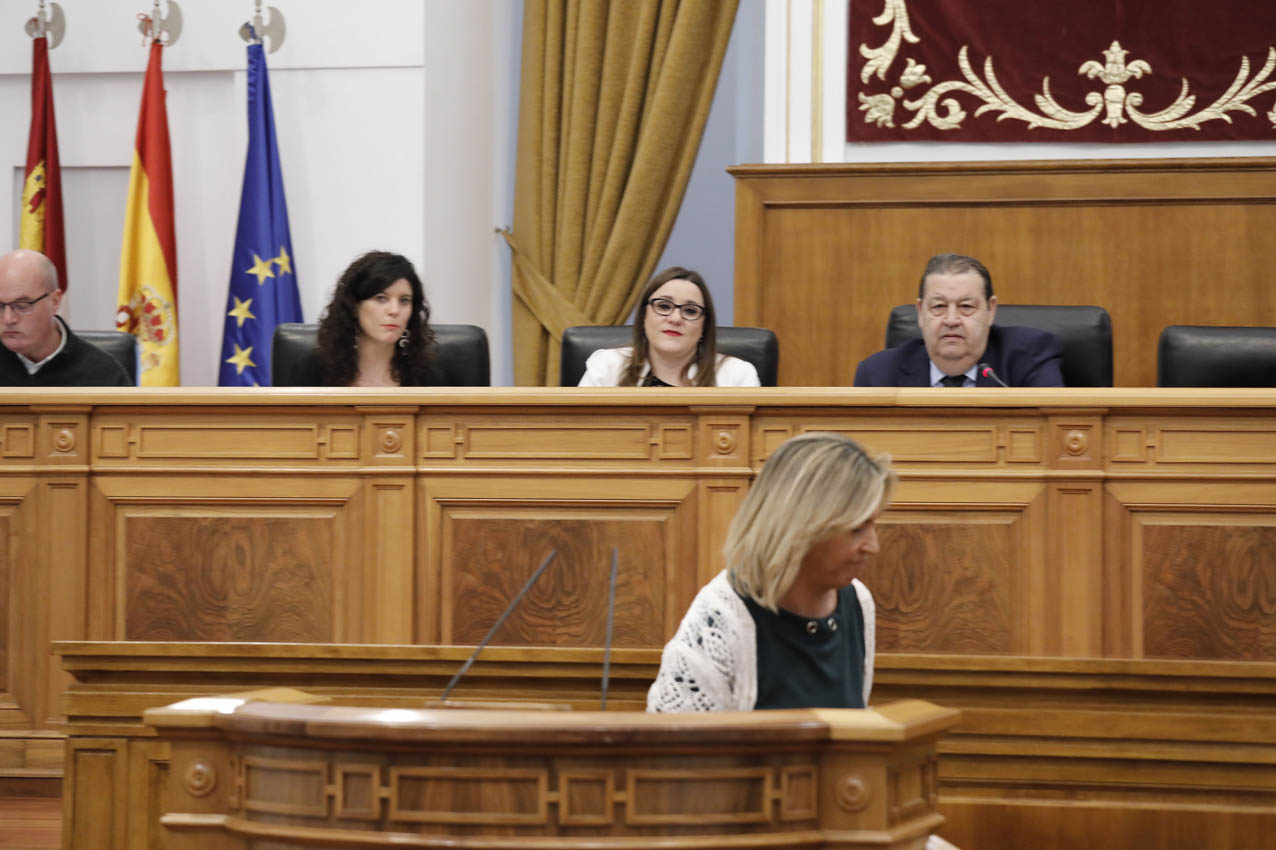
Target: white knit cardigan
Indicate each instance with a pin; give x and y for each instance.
(712, 662)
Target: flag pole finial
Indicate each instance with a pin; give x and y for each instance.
(50, 24)
(257, 30)
(165, 29)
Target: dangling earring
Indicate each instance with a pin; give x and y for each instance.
(403, 339)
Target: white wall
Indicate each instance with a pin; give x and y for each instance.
(355, 87)
(471, 104)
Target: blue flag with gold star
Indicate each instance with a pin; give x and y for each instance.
(263, 282)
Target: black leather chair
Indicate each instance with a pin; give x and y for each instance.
(462, 356)
(1200, 356)
(1086, 334)
(121, 346)
(756, 345)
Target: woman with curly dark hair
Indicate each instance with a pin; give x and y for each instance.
(376, 330)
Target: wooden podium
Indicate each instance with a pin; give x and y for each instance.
(253, 774)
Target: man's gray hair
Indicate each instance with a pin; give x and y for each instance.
(955, 264)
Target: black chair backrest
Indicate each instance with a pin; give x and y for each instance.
(1199, 356)
(121, 346)
(462, 356)
(756, 345)
(1086, 334)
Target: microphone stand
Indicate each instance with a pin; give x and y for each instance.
(501, 621)
(611, 610)
(987, 371)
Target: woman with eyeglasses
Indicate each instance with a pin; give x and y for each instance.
(675, 336)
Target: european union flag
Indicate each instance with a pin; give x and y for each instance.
(263, 282)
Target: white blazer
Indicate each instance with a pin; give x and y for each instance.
(606, 365)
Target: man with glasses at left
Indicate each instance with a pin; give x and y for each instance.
(39, 349)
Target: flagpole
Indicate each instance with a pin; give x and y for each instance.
(40, 222)
(164, 29)
(50, 27)
(258, 30)
(148, 256)
(262, 293)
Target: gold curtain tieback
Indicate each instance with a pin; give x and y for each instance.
(551, 309)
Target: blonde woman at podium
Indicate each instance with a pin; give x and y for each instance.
(788, 624)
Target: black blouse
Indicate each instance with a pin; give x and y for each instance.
(811, 663)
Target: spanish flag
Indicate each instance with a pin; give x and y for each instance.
(40, 227)
(148, 259)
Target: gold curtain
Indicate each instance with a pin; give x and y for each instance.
(614, 100)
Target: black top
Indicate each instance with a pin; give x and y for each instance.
(79, 364)
(805, 663)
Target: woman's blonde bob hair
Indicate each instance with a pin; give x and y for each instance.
(812, 487)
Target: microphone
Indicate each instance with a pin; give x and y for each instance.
(499, 622)
(987, 372)
(611, 610)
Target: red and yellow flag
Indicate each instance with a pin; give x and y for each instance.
(40, 227)
(148, 260)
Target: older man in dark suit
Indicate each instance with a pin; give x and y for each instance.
(39, 350)
(960, 346)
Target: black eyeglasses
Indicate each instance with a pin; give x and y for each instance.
(663, 307)
(24, 306)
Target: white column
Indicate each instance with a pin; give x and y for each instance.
(805, 95)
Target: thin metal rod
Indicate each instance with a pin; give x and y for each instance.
(611, 611)
(500, 622)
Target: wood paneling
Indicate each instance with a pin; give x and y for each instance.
(208, 578)
(1120, 524)
(1131, 754)
(1056, 826)
(500, 552)
(1209, 587)
(7, 592)
(824, 252)
(30, 823)
(96, 795)
(117, 772)
(488, 545)
(948, 585)
(855, 778)
(1047, 750)
(26, 624)
(230, 557)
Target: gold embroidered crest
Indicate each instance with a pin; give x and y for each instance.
(940, 107)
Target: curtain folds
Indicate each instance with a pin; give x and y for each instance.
(614, 101)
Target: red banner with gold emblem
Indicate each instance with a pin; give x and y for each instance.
(40, 222)
(1081, 71)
